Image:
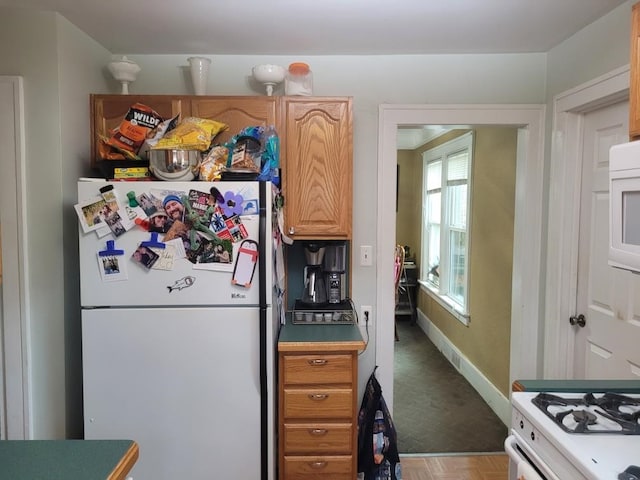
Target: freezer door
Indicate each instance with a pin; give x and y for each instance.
(180, 283)
(183, 383)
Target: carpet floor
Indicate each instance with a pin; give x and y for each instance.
(435, 409)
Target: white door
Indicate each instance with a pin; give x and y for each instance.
(607, 346)
(183, 383)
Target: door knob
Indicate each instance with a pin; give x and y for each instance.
(578, 320)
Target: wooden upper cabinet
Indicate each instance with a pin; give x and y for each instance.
(236, 112)
(634, 72)
(107, 111)
(317, 167)
(316, 153)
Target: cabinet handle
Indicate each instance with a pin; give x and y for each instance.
(318, 396)
(318, 361)
(292, 231)
(318, 431)
(317, 465)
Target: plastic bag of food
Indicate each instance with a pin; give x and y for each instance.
(191, 134)
(245, 150)
(133, 130)
(245, 156)
(213, 164)
(106, 151)
(154, 136)
(270, 159)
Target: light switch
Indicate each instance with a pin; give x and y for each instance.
(366, 255)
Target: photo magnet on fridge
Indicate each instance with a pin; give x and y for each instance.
(246, 262)
(145, 257)
(111, 263)
(112, 268)
(91, 213)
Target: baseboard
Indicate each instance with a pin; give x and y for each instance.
(494, 398)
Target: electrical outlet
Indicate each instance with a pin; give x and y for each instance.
(364, 321)
(366, 314)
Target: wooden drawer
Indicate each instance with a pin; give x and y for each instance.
(326, 467)
(328, 403)
(313, 369)
(317, 438)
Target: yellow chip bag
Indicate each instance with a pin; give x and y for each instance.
(191, 134)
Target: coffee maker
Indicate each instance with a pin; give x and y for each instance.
(334, 266)
(314, 287)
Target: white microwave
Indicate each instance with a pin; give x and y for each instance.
(624, 206)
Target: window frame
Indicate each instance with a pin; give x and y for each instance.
(440, 290)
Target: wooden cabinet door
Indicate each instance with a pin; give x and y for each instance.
(236, 112)
(634, 72)
(107, 111)
(317, 167)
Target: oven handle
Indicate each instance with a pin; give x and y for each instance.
(516, 457)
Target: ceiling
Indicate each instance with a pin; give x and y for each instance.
(410, 138)
(328, 27)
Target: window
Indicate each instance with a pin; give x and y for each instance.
(445, 223)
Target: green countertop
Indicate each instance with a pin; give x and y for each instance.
(320, 336)
(66, 459)
(577, 386)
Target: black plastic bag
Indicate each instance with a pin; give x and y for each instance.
(378, 457)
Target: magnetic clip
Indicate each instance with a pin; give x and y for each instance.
(110, 250)
(133, 203)
(143, 223)
(153, 242)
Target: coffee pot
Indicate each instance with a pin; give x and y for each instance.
(314, 288)
(315, 292)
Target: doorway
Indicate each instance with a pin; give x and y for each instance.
(441, 363)
(571, 109)
(529, 119)
(606, 347)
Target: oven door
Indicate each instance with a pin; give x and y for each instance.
(524, 464)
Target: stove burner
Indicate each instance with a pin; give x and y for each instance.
(591, 414)
(583, 416)
(632, 472)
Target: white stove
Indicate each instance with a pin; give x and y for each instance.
(574, 436)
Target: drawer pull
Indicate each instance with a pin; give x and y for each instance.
(318, 396)
(318, 361)
(318, 431)
(317, 465)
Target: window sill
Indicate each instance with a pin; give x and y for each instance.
(446, 303)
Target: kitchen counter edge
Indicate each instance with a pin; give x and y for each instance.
(577, 386)
(326, 338)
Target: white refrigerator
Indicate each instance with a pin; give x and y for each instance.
(178, 325)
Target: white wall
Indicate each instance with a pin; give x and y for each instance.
(61, 66)
(595, 50)
(82, 70)
(34, 56)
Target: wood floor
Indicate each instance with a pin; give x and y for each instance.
(455, 467)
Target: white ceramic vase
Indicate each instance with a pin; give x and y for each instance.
(199, 73)
(124, 71)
